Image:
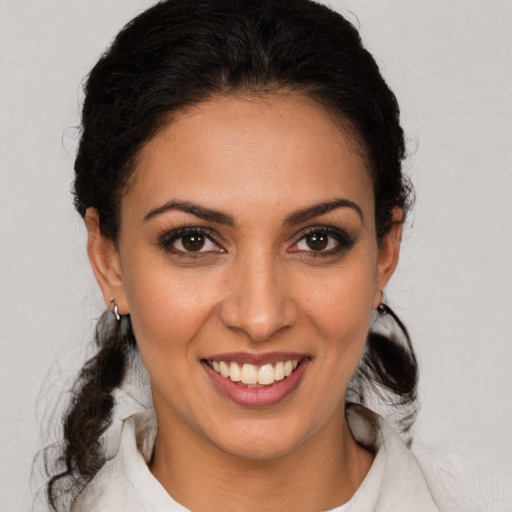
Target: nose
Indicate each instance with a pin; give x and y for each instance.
(259, 302)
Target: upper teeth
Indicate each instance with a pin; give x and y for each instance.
(246, 373)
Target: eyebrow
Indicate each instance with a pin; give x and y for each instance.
(194, 209)
(296, 217)
(321, 208)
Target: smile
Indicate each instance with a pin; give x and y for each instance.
(257, 380)
(251, 375)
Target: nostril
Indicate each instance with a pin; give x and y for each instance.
(258, 322)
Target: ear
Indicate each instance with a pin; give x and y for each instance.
(389, 251)
(105, 263)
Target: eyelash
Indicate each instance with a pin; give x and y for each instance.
(167, 240)
(342, 239)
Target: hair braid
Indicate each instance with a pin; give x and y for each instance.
(90, 411)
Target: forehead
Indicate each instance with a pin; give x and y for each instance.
(275, 151)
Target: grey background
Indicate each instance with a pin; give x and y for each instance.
(449, 62)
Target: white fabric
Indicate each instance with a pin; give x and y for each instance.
(462, 482)
(394, 483)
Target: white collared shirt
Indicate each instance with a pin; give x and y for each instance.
(395, 482)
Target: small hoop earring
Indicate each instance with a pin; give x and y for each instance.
(382, 308)
(116, 309)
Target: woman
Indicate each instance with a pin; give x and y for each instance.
(239, 174)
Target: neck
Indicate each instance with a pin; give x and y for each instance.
(329, 465)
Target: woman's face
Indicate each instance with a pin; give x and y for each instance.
(247, 250)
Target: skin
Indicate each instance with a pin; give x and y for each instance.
(258, 287)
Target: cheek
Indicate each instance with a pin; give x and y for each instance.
(341, 302)
(167, 308)
(339, 307)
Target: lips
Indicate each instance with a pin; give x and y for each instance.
(252, 375)
(256, 380)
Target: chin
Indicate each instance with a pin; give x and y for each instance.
(259, 440)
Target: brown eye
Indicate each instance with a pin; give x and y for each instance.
(193, 242)
(323, 241)
(317, 241)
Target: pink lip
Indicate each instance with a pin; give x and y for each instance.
(257, 397)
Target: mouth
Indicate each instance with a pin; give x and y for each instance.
(255, 376)
(257, 380)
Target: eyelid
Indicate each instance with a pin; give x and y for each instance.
(344, 240)
(167, 238)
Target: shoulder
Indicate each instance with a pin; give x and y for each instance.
(111, 488)
(395, 482)
(457, 482)
(466, 482)
(125, 481)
